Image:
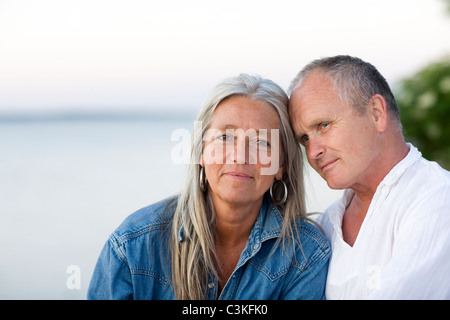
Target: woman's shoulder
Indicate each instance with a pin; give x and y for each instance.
(313, 243)
(154, 217)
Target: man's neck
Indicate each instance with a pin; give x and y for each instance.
(358, 206)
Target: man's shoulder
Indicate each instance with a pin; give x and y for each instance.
(418, 171)
(424, 182)
(432, 173)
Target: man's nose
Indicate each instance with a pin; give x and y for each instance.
(315, 148)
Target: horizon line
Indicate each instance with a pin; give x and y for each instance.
(97, 115)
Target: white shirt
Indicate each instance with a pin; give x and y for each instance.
(403, 247)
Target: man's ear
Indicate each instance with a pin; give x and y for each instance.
(378, 111)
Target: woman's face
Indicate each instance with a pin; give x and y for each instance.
(242, 150)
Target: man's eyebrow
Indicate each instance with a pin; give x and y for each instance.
(314, 122)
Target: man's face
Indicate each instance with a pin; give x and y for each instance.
(340, 143)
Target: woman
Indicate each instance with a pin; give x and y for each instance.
(238, 230)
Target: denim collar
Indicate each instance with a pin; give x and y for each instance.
(268, 225)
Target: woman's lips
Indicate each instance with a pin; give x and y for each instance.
(238, 175)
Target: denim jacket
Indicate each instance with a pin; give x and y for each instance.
(135, 261)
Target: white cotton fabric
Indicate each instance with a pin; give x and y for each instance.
(403, 247)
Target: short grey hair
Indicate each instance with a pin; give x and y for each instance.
(355, 80)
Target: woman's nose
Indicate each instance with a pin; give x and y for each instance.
(241, 150)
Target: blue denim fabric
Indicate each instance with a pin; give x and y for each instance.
(135, 261)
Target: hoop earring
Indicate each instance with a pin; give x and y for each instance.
(284, 196)
(202, 179)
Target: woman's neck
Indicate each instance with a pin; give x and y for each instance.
(234, 222)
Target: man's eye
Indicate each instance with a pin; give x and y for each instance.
(324, 125)
(304, 139)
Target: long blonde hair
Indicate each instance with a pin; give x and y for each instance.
(191, 257)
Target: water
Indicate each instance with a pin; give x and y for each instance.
(66, 184)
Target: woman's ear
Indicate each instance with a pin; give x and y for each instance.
(280, 173)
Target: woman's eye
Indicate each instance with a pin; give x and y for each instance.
(263, 143)
(224, 137)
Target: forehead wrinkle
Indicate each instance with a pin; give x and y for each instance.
(306, 120)
(233, 127)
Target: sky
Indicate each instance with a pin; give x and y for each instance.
(167, 55)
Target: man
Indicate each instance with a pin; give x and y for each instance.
(390, 231)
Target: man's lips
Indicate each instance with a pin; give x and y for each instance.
(327, 165)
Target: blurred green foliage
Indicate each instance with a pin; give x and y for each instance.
(448, 5)
(424, 103)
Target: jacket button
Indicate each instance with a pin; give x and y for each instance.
(211, 285)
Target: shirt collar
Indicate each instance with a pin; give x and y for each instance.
(268, 224)
(337, 209)
(396, 172)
